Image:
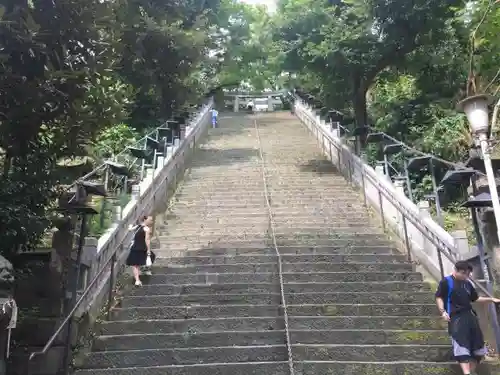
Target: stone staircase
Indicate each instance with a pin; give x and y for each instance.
(213, 305)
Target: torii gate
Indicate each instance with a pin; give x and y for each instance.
(238, 95)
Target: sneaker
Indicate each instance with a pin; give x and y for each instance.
(138, 283)
(148, 273)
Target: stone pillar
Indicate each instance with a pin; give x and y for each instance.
(400, 186)
(380, 170)
(236, 105)
(161, 162)
(462, 242)
(89, 254)
(424, 207)
(136, 192)
(336, 132)
(270, 106)
(170, 152)
(117, 213)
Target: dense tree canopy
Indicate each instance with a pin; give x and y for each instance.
(72, 70)
(80, 77)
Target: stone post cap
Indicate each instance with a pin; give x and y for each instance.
(379, 169)
(423, 205)
(399, 183)
(90, 241)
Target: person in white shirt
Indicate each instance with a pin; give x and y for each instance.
(215, 113)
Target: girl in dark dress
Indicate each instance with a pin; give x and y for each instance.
(141, 247)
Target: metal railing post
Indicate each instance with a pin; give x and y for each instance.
(407, 240)
(111, 284)
(381, 203)
(74, 290)
(363, 183)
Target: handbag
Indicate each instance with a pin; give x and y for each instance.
(150, 259)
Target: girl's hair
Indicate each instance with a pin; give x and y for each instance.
(142, 219)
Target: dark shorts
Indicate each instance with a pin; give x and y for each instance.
(466, 337)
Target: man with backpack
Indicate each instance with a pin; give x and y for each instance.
(454, 298)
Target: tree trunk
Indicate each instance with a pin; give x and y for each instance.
(360, 115)
(360, 111)
(7, 164)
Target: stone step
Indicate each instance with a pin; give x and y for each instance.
(364, 353)
(184, 356)
(234, 222)
(227, 311)
(197, 325)
(346, 240)
(276, 201)
(169, 289)
(137, 326)
(258, 195)
(193, 216)
(294, 250)
(269, 277)
(228, 223)
(286, 258)
(287, 267)
(225, 183)
(259, 353)
(262, 230)
(274, 298)
(196, 340)
(210, 339)
(289, 209)
(302, 368)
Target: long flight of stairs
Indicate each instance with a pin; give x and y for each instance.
(213, 305)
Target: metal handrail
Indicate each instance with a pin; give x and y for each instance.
(121, 153)
(70, 315)
(442, 246)
(109, 265)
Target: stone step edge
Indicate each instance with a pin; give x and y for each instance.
(444, 346)
(243, 364)
(257, 305)
(230, 256)
(211, 274)
(426, 293)
(287, 283)
(213, 333)
(274, 264)
(269, 317)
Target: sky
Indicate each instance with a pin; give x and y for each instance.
(271, 4)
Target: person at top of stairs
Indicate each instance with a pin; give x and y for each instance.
(140, 248)
(454, 298)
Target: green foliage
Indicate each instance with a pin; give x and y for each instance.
(399, 66)
(350, 43)
(70, 71)
(113, 140)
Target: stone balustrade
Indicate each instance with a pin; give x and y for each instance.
(420, 235)
(147, 196)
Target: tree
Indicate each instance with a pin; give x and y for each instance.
(349, 43)
(70, 71)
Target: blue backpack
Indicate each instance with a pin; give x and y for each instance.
(447, 305)
(450, 281)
